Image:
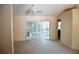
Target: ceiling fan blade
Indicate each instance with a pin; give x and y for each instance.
(27, 12)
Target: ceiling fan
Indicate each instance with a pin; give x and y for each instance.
(33, 11)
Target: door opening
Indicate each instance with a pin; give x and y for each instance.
(59, 29)
(38, 30)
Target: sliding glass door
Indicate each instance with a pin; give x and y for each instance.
(38, 30)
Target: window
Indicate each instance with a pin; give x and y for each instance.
(59, 24)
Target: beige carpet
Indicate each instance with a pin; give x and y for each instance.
(42, 47)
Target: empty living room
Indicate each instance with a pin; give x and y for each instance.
(39, 29)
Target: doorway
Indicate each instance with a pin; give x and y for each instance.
(37, 30)
(59, 28)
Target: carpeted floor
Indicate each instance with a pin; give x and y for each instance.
(42, 47)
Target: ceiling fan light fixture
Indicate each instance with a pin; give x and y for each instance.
(34, 10)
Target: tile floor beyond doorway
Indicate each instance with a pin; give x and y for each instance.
(42, 47)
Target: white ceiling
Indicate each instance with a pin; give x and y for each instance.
(49, 9)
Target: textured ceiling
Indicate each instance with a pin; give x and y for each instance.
(49, 9)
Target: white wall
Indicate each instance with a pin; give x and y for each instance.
(66, 28)
(75, 31)
(19, 26)
(5, 29)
